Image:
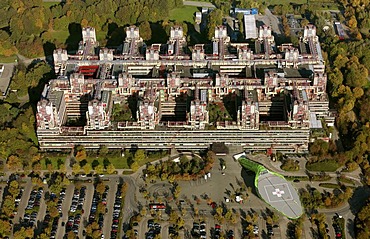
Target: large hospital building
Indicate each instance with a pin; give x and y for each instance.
(276, 95)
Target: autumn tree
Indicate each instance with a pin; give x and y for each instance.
(87, 168)
(100, 188)
(5, 228)
(99, 169)
(362, 222)
(24, 233)
(14, 163)
(111, 169)
(80, 153)
(76, 168)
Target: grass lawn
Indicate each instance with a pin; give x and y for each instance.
(183, 14)
(54, 160)
(8, 59)
(117, 161)
(325, 166)
(346, 180)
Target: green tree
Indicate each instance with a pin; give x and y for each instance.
(145, 30)
(139, 156)
(214, 19)
(135, 166)
(103, 151)
(14, 188)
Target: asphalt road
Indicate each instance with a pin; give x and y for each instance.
(24, 201)
(65, 209)
(108, 217)
(86, 207)
(130, 205)
(42, 210)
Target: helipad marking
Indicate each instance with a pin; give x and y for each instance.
(272, 190)
(279, 193)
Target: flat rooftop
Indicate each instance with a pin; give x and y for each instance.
(250, 28)
(280, 194)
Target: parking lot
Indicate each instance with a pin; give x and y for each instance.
(71, 209)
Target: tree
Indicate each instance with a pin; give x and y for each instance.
(101, 208)
(135, 166)
(103, 151)
(100, 188)
(76, 168)
(8, 206)
(71, 235)
(139, 155)
(145, 30)
(211, 156)
(96, 234)
(24, 233)
(81, 154)
(99, 169)
(14, 163)
(111, 169)
(87, 168)
(54, 212)
(214, 19)
(356, 74)
(304, 22)
(14, 188)
(180, 222)
(5, 228)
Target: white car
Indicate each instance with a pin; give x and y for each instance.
(255, 229)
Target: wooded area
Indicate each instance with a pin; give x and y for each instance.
(60, 25)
